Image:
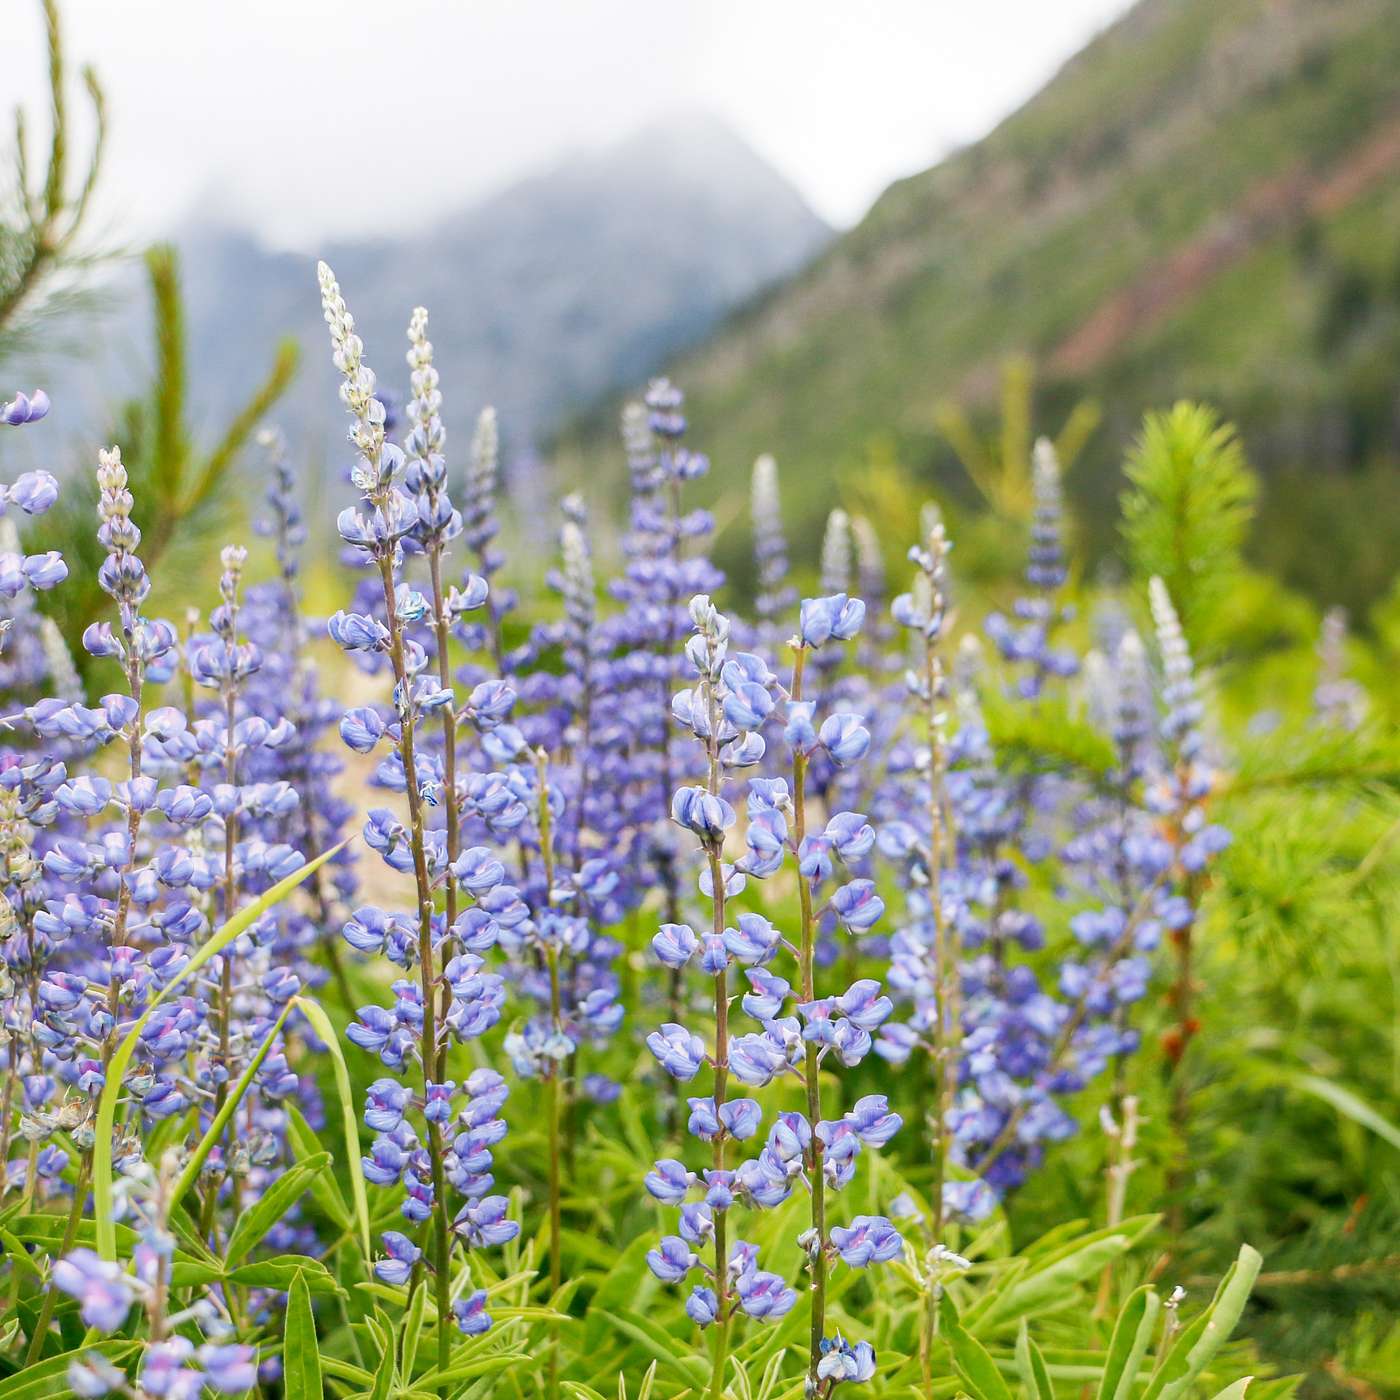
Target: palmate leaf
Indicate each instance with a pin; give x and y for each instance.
(121, 1059)
(489, 1365)
(278, 1274)
(659, 1344)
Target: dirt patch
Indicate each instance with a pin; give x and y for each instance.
(1266, 210)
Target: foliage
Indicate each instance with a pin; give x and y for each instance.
(192, 486)
(1000, 469)
(1197, 204)
(1119, 934)
(1187, 511)
(41, 218)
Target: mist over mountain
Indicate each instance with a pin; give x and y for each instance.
(1202, 203)
(541, 297)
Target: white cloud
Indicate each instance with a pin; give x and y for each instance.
(304, 118)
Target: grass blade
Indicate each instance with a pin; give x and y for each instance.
(121, 1059)
(350, 1119)
(221, 1118)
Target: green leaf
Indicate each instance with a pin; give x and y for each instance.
(1235, 1391)
(19, 1255)
(1132, 1335)
(271, 1206)
(1351, 1106)
(1198, 1343)
(194, 1273)
(387, 1372)
(346, 1371)
(1054, 1284)
(47, 1378)
(278, 1274)
(302, 1139)
(48, 1229)
(977, 1369)
(190, 1175)
(413, 1328)
(477, 1366)
(349, 1117)
(1030, 1366)
(184, 1228)
(628, 1284)
(658, 1343)
(121, 1060)
(301, 1356)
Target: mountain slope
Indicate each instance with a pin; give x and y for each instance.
(540, 298)
(1203, 201)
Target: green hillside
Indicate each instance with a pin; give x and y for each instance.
(1204, 202)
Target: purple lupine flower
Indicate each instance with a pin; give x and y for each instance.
(844, 738)
(25, 408)
(679, 1052)
(230, 1369)
(843, 1362)
(402, 1254)
(470, 1312)
(824, 618)
(857, 905)
(669, 1181)
(673, 1260)
(764, 1295)
(702, 1307)
(101, 1287)
(675, 944)
(869, 1239)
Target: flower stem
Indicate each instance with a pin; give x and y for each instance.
(552, 1084)
(70, 1233)
(946, 950)
(428, 979)
(812, 1069)
(721, 1081)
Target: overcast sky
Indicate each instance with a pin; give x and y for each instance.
(303, 118)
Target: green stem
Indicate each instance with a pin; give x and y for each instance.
(721, 1081)
(428, 979)
(946, 950)
(552, 1085)
(812, 1074)
(70, 1233)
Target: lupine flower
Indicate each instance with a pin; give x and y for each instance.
(869, 1239)
(101, 1288)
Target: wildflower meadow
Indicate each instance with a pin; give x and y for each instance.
(468, 941)
(674, 998)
